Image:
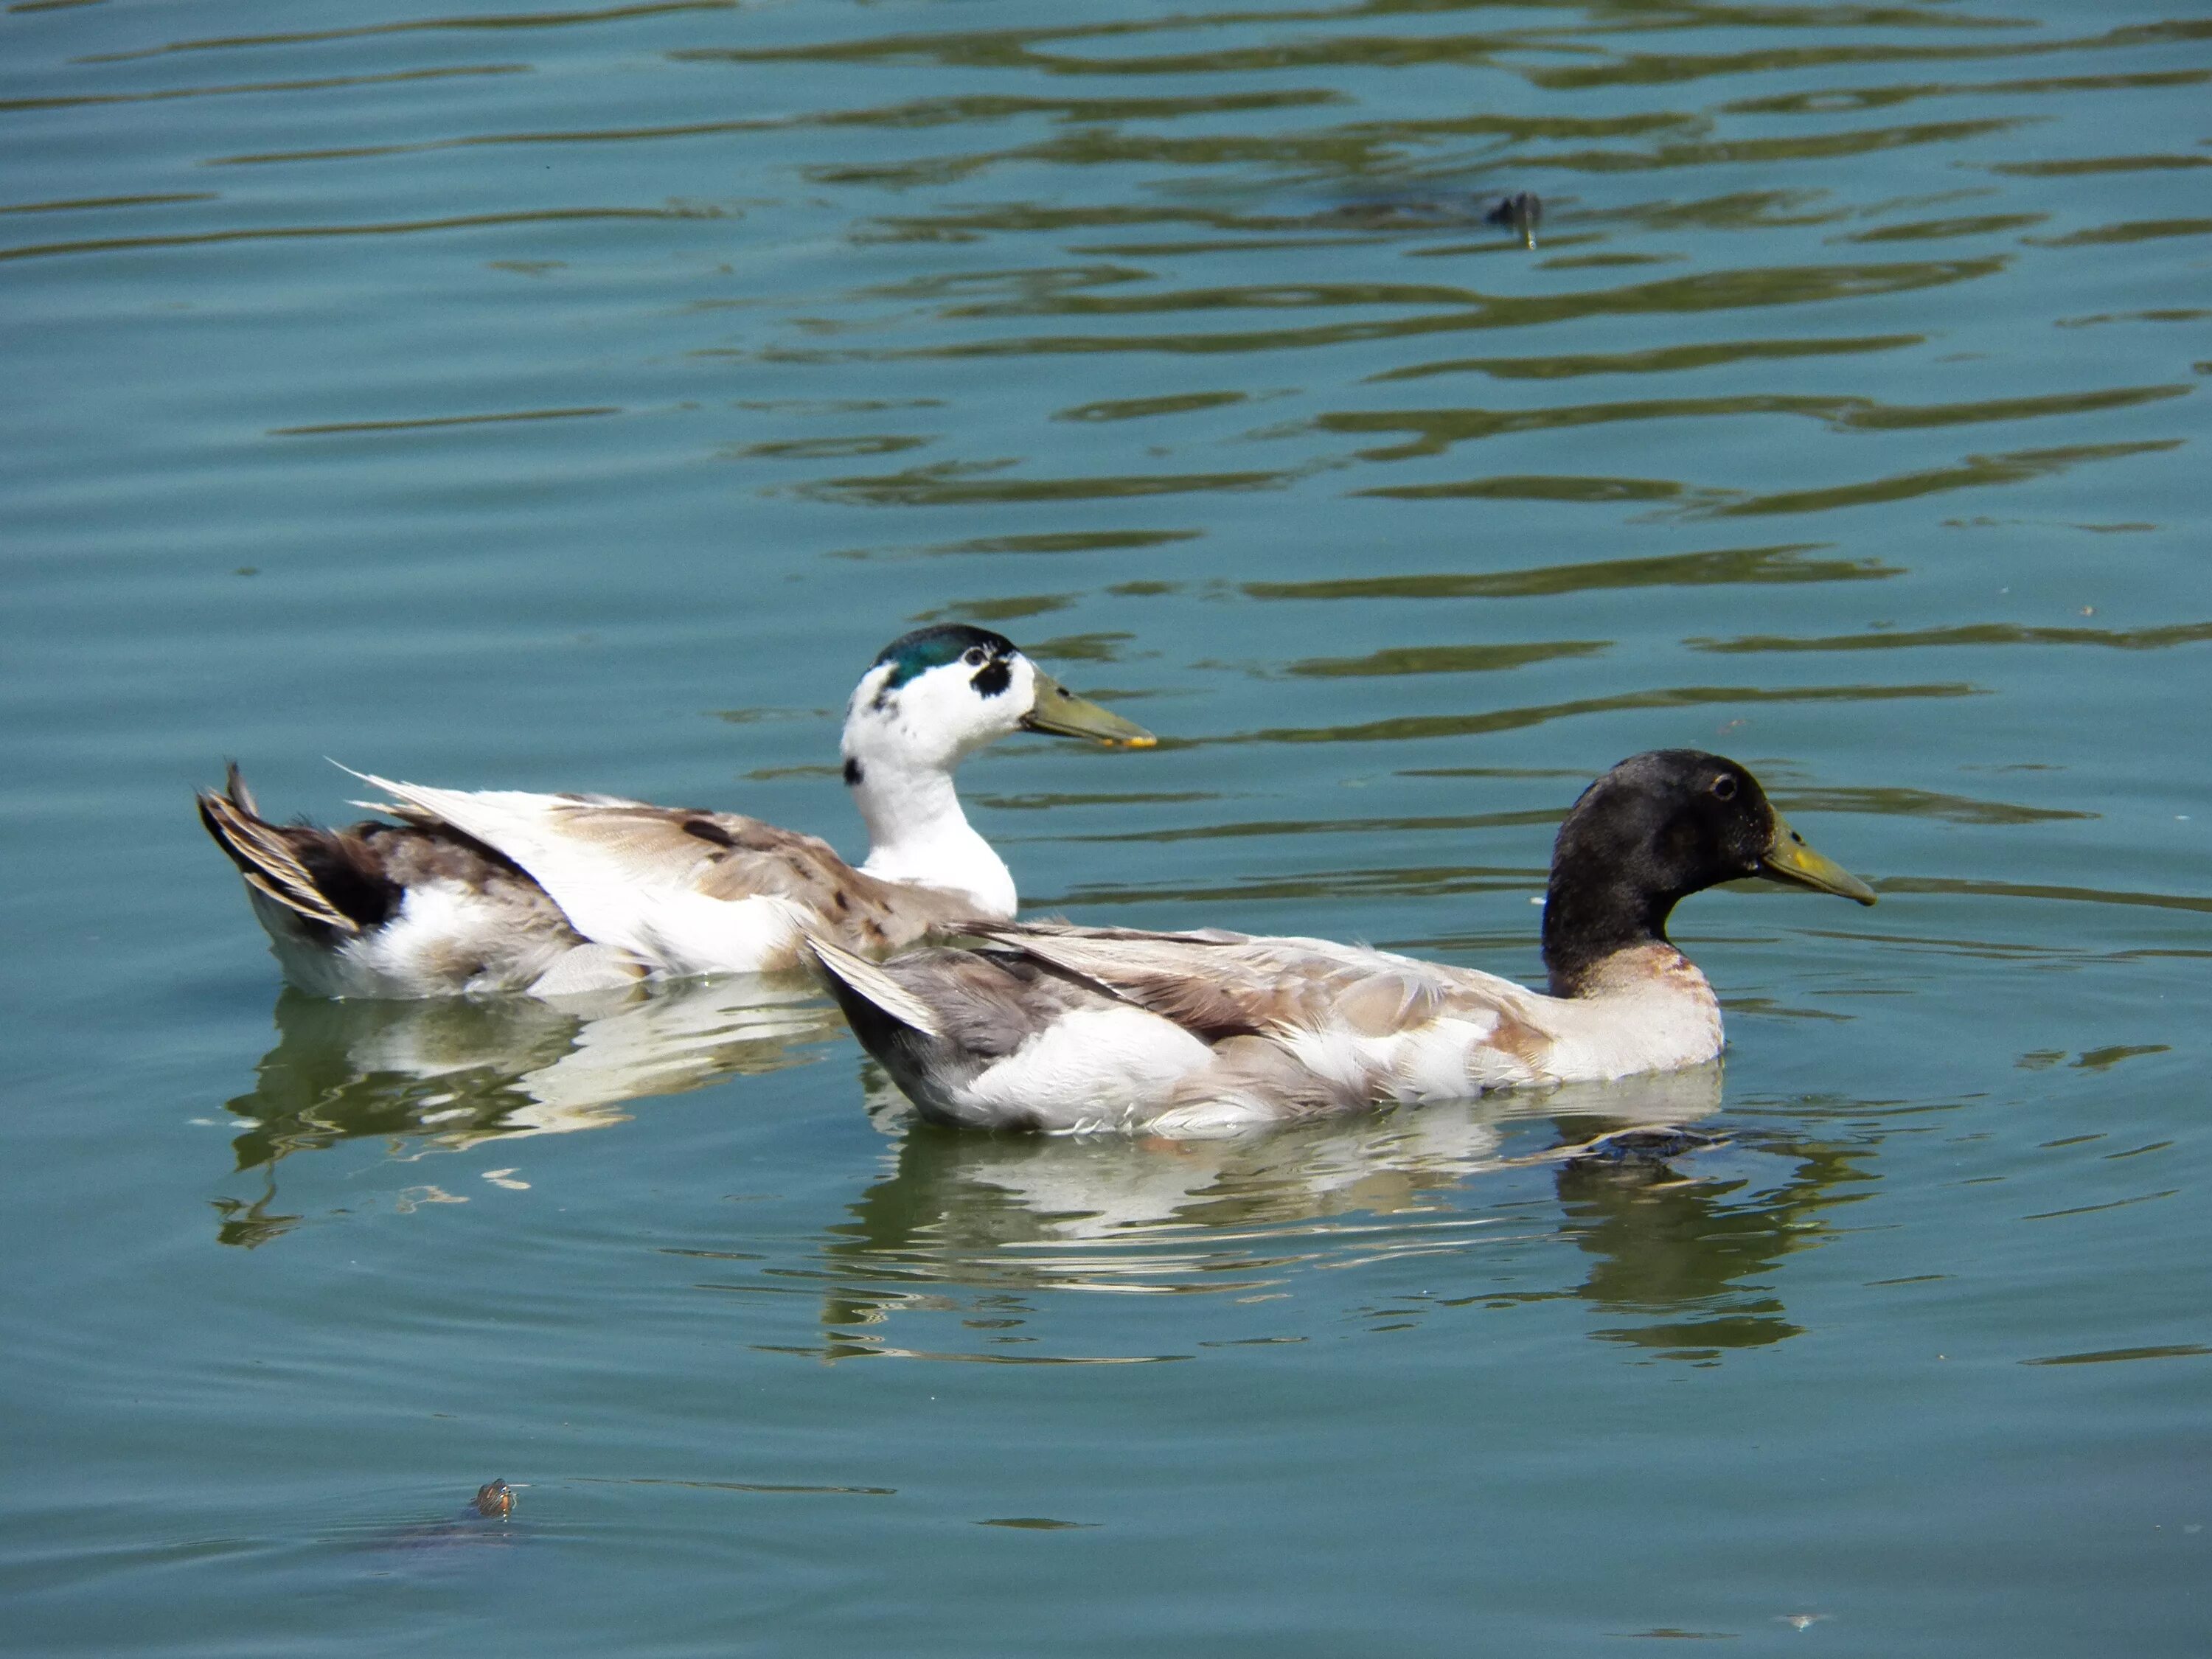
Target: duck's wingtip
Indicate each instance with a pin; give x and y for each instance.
(855, 980)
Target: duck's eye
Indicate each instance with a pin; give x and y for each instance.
(1724, 788)
(974, 656)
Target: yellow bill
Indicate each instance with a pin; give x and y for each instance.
(1788, 858)
(1061, 711)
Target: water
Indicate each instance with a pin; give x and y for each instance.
(578, 398)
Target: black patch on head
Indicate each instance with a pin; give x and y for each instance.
(934, 647)
(993, 678)
(852, 773)
(708, 829)
(1657, 828)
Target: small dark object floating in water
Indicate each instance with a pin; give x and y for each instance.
(481, 1522)
(1636, 1156)
(1522, 211)
(1624, 1145)
(493, 1497)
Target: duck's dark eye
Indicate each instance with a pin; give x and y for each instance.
(974, 656)
(1724, 787)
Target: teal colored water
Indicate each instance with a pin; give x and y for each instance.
(578, 398)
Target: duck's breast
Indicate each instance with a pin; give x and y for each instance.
(1643, 1009)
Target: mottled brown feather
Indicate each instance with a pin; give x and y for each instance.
(1218, 984)
(731, 857)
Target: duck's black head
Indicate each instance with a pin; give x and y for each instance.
(1655, 828)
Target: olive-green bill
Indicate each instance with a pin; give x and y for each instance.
(1788, 858)
(1060, 711)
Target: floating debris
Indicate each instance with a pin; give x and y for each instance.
(1522, 212)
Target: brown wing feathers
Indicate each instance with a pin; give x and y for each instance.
(1200, 981)
(1221, 985)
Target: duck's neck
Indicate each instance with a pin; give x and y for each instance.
(917, 832)
(1592, 912)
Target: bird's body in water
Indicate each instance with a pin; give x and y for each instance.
(477, 892)
(1067, 1030)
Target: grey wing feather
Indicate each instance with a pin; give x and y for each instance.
(987, 1004)
(1218, 985)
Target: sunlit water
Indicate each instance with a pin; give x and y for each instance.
(549, 398)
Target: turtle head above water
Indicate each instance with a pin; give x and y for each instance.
(494, 1499)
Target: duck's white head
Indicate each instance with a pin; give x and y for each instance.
(932, 698)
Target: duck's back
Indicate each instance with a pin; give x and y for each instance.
(686, 889)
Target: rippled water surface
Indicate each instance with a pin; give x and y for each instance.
(578, 398)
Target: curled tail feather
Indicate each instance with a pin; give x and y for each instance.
(264, 855)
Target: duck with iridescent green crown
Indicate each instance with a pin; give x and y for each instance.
(495, 891)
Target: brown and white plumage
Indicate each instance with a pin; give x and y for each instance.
(687, 890)
(488, 890)
(1060, 1028)
(385, 910)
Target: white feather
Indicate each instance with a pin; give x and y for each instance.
(1644, 1022)
(444, 937)
(1093, 1068)
(636, 901)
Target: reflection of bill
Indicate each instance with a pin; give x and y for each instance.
(451, 1072)
(999, 1217)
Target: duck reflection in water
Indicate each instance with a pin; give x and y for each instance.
(1673, 1215)
(445, 1075)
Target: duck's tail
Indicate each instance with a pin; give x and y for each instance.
(269, 856)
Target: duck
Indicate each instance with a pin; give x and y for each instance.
(1051, 1027)
(492, 892)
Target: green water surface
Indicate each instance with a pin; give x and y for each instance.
(548, 398)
